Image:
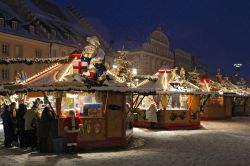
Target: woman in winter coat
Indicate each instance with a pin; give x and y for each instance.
(30, 118)
(151, 115)
(10, 125)
(20, 125)
(45, 130)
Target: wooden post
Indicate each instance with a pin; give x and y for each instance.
(106, 115)
(59, 103)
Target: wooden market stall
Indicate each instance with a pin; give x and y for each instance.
(217, 104)
(177, 102)
(230, 101)
(241, 102)
(101, 108)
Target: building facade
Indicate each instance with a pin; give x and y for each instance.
(183, 59)
(154, 54)
(40, 29)
(21, 47)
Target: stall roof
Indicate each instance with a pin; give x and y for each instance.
(59, 78)
(55, 78)
(163, 84)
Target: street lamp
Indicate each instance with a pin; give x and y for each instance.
(237, 65)
(115, 66)
(237, 69)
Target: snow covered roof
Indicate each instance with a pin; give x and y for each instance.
(7, 12)
(55, 78)
(65, 24)
(164, 85)
(59, 78)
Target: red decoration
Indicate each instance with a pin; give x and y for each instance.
(77, 66)
(204, 79)
(76, 55)
(72, 129)
(169, 71)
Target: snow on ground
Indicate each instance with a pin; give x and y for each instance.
(217, 143)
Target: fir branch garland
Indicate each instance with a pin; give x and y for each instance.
(30, 61)
(146, 77)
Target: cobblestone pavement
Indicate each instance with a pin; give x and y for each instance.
(221, 143)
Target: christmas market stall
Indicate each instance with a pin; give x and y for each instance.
(219, 103)
(175, 104)
(241, 102)
(79, 90)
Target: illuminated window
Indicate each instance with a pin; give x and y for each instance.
(67, 35)
(54, 53)
(53, 32)
(14, 24)
(1, 22)
(63, 53)
(5, 49)
(5, 74)
(38, 53)
(31, 28)
(18, 51)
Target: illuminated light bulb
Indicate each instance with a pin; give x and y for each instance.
(165, 81)
(206, 84)
(134, 71)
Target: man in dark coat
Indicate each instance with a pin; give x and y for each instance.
(13, 111)
(9, 123)
(45, 130)
(20, 125)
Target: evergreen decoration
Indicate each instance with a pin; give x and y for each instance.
(194, 115)
(182, 115)
(122, 68)
(194, 77)
(173, 116)
(204, 99)
(146, 77)
(31, 61)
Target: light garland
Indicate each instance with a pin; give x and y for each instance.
(66, 71)
(40, 73)
(30, 61)
(115, 76)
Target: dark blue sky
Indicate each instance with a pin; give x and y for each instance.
(215, 31)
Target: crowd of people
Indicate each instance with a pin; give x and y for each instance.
(28, 128)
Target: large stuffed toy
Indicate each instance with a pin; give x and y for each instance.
(72, 129)
(89, 52)
(96, 69)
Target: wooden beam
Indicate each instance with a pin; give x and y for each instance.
(139, 102)
(132, 106)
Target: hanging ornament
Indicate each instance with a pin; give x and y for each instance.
(164, 101)
(82, 132)
(88, 128)
(97, 128)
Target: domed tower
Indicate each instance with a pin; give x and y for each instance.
(154, 54)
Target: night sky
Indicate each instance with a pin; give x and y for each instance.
(215, 31)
